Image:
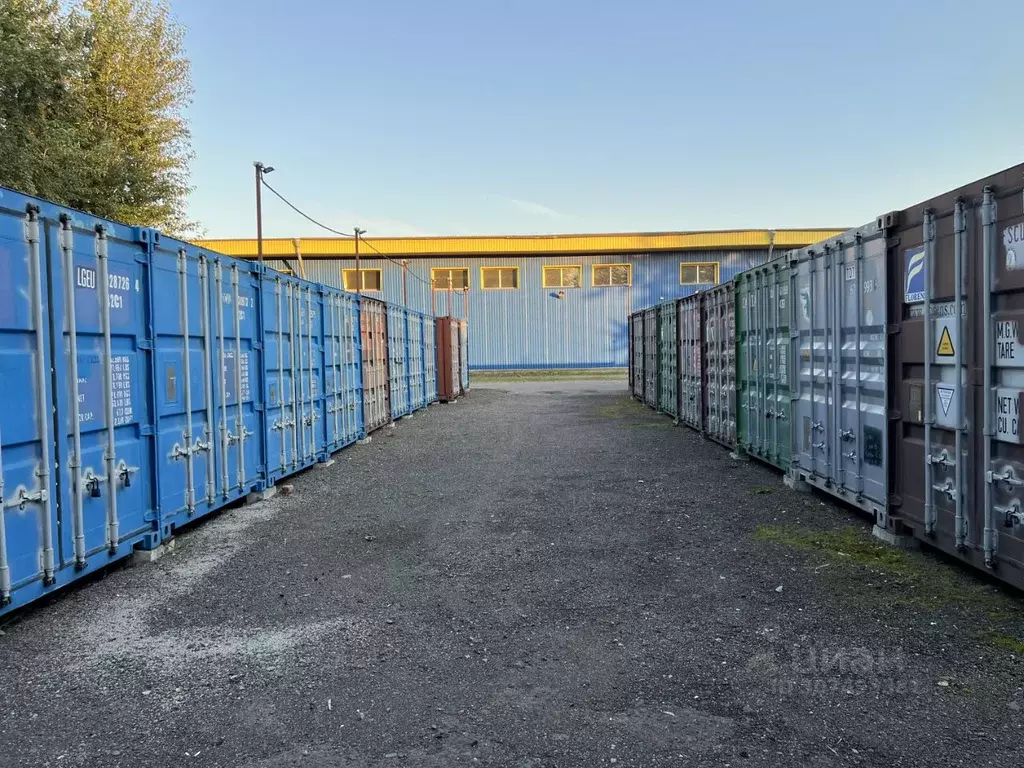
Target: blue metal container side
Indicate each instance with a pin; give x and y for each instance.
(31, 560)
(430, 357)
(343, 386)
(238, 385)
(532, 326)
(188, 415)
(295, 432)
(398, 350)
(416, 372)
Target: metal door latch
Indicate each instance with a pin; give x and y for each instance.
(1013, 517)
(848, 434)
(817, 426)
(23, 496)
(852, 455)
(947, 489)
(125, 473)
(1006, 476)
(943, 459)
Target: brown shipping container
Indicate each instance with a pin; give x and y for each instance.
(376, 382)
(956, 459)
(690, 361)
(449, 377)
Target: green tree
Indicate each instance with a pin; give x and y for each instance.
(93, 96)
(134, 91)
(40, 57)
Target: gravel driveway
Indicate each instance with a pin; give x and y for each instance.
(543, 574)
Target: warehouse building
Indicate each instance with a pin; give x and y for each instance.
(547, 301)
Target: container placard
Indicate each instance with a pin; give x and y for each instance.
(1008, 351)
(1007, 410)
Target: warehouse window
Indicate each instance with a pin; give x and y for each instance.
(440, 277)
(371, 279)
(563, 277)
(605, 275)
(496, 278)
(698, 273)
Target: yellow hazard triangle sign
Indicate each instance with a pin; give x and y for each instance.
(945, 344)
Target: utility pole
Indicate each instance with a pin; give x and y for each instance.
(261, 170)
(405, 276)
(359, 274)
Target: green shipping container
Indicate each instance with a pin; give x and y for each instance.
(763, 363)
(667, 352)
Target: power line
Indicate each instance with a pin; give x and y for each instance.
(295, 208)
(369, 245)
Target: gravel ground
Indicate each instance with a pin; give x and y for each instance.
(543, 574)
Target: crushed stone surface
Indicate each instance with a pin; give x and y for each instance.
(541, 574)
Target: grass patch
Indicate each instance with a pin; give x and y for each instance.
(567, 374)
(916, 580)
(761, 490)
(623, 407)
(1005, 642)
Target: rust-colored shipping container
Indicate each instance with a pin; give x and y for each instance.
(449, 373)
(376, 387)
(956, 367)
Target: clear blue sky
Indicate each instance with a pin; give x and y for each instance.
(524, 116)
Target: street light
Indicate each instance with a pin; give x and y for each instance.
(261, 171)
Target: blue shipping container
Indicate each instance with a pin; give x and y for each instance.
(150, 382)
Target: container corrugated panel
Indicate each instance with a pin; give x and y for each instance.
(956, 461)
(651, 356)
(691, 361)
(763, 363)
(47, 539)
(636, 365)
(839, 405)
(190, 450)
(430, 357)
(449, 384)
(374, 348)
(718, 316)
(398, 360)
(416, 372)
(464, 355)
(667, 351)
(343, 380)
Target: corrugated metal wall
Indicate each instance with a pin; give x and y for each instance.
(530, 327)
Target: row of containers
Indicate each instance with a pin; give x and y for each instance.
(883, 366)
(147, 383)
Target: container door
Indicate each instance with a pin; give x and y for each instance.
(376, 385)
(999, 529)
(719, 335)
(238, 450)
(651, 357)
(464, 355)
(397, 365)
(430, 357)
(637, 365)
(690, 363)
(667, 351)
(342, 389)
(283, 417)
(415, 361)
(106, 367)
(184, 376)
(814, 404)
(860, 439)
(30, 554)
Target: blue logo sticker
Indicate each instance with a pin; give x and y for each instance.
(913, 276)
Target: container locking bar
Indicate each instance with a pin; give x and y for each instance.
(5, 569)
(226, 437)
(988, 220)
(204, 316)
(110, 455)
(186, 355)
(67, 242)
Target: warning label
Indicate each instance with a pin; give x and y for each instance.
(945, 348)
(945, 398)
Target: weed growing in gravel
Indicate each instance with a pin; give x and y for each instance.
(1005, 641)
(919, 581)
(623, 408)
(761, 490)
